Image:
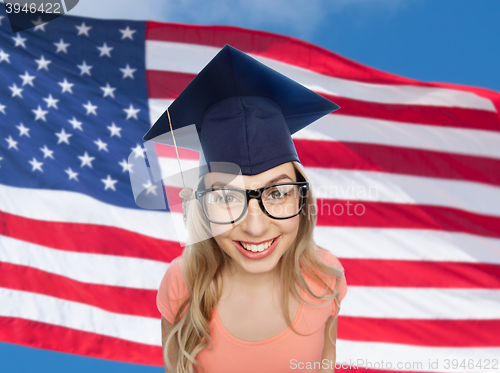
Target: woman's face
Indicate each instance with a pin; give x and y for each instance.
(255, 228)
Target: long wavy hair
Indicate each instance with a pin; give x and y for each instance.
(203, 263)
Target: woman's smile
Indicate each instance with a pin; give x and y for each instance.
(257, 251)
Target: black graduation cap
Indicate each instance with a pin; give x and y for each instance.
(244, 113)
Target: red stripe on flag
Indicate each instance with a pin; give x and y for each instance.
(278, 47)
(294, 52)
(57, 338)
(168, 85)
(432, 274)
(168, 151)
(438, 333)
(117, 299)
(335, 212)
(419, 114)
(398, 160)
(347, 213)
(88, 238)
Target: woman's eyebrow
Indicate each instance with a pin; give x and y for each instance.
(282, 176)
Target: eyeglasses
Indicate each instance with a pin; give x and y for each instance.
(228, 205)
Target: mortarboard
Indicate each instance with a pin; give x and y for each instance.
(244, 113)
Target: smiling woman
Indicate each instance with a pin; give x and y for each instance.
(252, 292)
(262, 234)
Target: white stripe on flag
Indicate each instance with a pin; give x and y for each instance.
(413, 358)
(85, 267)
(408, 244)
(337, 127)
(191, 58)
(396, 188)
(60, 206)
(385, 187)
(421, 303)
(347, 128)
(55, 311)
(156, 108)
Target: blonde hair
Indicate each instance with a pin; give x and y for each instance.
(203, 264)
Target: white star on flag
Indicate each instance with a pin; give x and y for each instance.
(105, 50)
(23, 131)
(40, 25)
(16, 91)
(91, 109)
(115, 131)
(36, 165)
(66, 86)
(76, 124)
(139, 151)
(27, 79)
(128, 72)
(51, 102)
(108, 91)
(86, 160)
(85, 69)
(20, 41)
(71, 174)
(127, 33)
(62, 46)
(4, 56)
(109, 183)
(2, 109)
(63, 137)
(126, 166)
(40, 114)
(43, 63)
(12, 143)
(0, 157)
(101, 145)
(131, 112)
(83, 29)
(47, 153)
(150, 188)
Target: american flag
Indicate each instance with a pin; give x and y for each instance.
(407, 176)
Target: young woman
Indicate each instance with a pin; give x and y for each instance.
(253, 293)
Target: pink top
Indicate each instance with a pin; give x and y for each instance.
(278, 354)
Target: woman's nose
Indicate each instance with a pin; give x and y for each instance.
(256, 222)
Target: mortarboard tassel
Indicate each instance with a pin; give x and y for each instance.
(185, 193)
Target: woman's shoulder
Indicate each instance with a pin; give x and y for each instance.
(172, 291)
(174, 275)
(175, 265)
(334, 276)
(328, 258)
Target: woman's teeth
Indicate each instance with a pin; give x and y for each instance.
(257, 248)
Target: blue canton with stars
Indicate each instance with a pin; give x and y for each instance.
(73, 106)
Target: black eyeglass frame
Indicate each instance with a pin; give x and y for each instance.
(257, 194)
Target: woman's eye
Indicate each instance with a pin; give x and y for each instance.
(226, 199)
(276, 194)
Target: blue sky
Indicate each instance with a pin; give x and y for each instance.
(446, 41)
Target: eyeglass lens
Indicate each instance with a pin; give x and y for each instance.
(226, 205)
